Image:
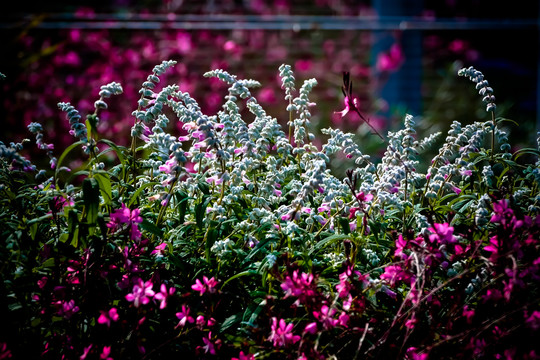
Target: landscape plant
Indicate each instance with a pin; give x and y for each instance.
(236, 241)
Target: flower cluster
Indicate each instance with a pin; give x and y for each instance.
(230, 238)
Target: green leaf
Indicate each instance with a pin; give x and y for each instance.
(200, 211)
(91, 192)
(137, 192)
(66, 152)
(151, 228)
(104, 186)
(182, 199)
(326, 241)
(230, 321)
(243, 273)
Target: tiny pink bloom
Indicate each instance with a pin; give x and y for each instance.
(468, 313)
(105, 353)
(184, 316)
(200, 145)
(200, 320)
(347, 108)
(162, 296)
(343, 319)
(207, 285)
(533, 321)
(160, 249)
(184, 138)
(42, 282)
(281, 334)
(242, 356)
(311, 328)
(325, 316)
(209, 346)
(141, 293)
(86, 351)
(325, 207)
(214, 180)
(199, 135)
(169, 166)
(190, 126)
(106, 317)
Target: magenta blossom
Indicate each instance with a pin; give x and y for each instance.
(243, 356)
(163, 295)
(394, 274)
(141, 294)
(107, 316)
(207, 285)
(184, 316)
(281, 334)
(442, 234)
(209, 345)
(325, 316)
(127, 216)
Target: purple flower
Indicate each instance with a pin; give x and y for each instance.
(141, 294)
(105, 353)
(281, 334)
(163, 295)
(394, 273)
(207, 285)
(442, 233)
(311, 328)
(209, 345)
(295, 286)
(325, 316)
(67, 308)
(127, 216)
(242, 356)
(184, 316)
(106, 317)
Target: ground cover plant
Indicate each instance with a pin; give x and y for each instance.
(236, 241)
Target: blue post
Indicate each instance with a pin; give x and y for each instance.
(403, 87)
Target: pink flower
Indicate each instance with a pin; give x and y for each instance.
(67, 308)
(214, 180)
(413, 354)
(242, 356)
(163, 295)
(105, 353)
(442, 233)
(311, 328)
(533, 321)
(300, 286)
(325, 316)
(184, 316)
(169, 166)
(207, 285)
(209, 346)
(160, 249)
(141, 293)
(281, 335)
(343, 319)
(127, 216)
(106, 317)
(86, 351)
(394, 273)
(347, 108)
(391, 60)
(401, 244)
(468, 314)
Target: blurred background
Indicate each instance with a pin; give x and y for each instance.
(402, 56)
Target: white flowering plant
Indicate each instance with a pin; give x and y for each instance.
(235, 240)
